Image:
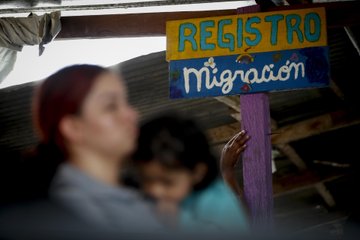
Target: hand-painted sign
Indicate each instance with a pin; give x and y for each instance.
(248, 53)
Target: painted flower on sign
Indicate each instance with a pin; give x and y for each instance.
(246, 87)
(210, 63)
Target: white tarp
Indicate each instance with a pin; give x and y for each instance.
(7, 62)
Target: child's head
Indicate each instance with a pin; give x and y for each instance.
(174, 158)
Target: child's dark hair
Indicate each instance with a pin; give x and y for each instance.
(176, 142)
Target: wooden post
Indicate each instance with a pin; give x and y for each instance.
(257, 174)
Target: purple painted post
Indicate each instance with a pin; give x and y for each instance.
(257, 174)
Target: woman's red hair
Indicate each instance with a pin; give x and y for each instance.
(61, 94)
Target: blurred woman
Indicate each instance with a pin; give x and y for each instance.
(82, 113)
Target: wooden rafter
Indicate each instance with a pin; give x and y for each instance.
(153, 24)
(231, 101)
(292, 155)
(222, 134)
(303, 129)
(314, 126)
(126, 25)
(303, 180)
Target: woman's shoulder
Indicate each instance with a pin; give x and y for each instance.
(101, 204)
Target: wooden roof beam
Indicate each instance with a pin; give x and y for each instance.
(338, 14)
(126, 25)
(231, 101)
(307, 128)
(303, 180)
(317, 125)
(222, 134)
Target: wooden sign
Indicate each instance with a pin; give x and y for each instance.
(248, 53)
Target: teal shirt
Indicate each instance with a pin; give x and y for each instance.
(214, 208)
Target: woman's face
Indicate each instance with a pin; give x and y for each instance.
(108, 123)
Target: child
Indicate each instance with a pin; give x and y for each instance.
(177, 169)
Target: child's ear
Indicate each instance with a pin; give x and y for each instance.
(199, 172)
